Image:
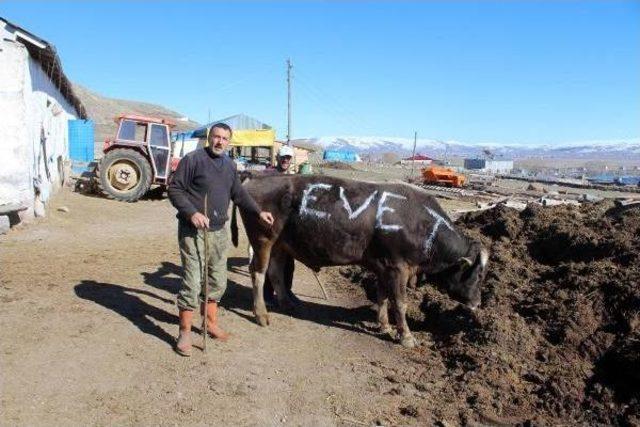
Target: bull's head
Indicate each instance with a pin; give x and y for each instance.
(463, 283)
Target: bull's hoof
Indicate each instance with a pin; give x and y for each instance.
(263, 319)
(386, 330)
(408, 341)
(287, 305)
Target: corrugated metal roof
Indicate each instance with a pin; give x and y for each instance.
(237, 122)
(419, 157)
(49, 61)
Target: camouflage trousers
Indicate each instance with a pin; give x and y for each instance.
(191, 242)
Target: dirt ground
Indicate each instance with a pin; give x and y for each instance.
(89, 321)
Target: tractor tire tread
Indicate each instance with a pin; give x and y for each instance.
(145, 175)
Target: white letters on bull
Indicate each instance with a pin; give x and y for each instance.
(428, 243)
(347, 206)
(307, 197)
(382, 209)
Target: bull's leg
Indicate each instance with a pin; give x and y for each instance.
(383, 307)
(413, 281)
(277, 276)
(399, 277)
(249, 256)
(258, 269)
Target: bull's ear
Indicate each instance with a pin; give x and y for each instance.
(286, 201)
(465, 262)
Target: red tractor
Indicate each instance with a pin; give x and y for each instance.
(139, 156)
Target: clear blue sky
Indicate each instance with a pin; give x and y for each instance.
(483, 72)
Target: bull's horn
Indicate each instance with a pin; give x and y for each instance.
(465, 260)
(484, 257)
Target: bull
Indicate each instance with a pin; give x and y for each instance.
(395, 230)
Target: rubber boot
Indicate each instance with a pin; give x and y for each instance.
(183, 346)
(213, 328)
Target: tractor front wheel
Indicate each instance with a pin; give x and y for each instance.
(124, 174)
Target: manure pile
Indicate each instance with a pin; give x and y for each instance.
(558, 337)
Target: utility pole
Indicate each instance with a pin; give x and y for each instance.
(446, 154)
(289, 67)
(413, 160)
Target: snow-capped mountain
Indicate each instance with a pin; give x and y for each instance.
(614, 149)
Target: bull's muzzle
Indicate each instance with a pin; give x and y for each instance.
(473, 306)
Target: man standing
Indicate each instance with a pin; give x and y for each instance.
(206, 171)
(284, 159)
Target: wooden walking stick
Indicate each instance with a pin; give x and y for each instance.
(324, 292)
(206, 282)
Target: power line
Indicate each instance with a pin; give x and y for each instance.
(326, 107)
(289, 67)
(344, 117)
(337, 103)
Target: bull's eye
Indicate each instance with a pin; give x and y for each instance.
(285, 201)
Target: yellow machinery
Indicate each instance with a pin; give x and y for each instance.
(438, 175)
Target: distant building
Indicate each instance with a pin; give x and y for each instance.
(520, 171)
(602, 179)
(239, 122)
(418, 159)
(37, 102)
(628, 180)
(253, 144)
(346, 156)
(301, 154)
(489, 165)
(252, 141)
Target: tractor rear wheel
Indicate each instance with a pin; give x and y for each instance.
(124, 174)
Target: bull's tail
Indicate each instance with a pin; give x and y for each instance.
(245, 177)
(234, 226)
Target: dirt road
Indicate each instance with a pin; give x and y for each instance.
(88, 323)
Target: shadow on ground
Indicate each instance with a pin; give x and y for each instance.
(126, 302)
(87, 185)
(238, 265)
(237, 299)
(167, 277)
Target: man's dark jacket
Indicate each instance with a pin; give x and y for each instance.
(202, 172)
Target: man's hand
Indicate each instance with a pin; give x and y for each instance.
(199, 220)
(266, 219)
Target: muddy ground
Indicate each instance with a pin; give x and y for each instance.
(558, 338)
(88, 322)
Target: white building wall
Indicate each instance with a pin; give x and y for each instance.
(15, 151)
(499, 166)
(33, 110)
(416, 162)
(489, 165)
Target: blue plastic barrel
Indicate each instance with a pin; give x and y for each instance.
(81, 142)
